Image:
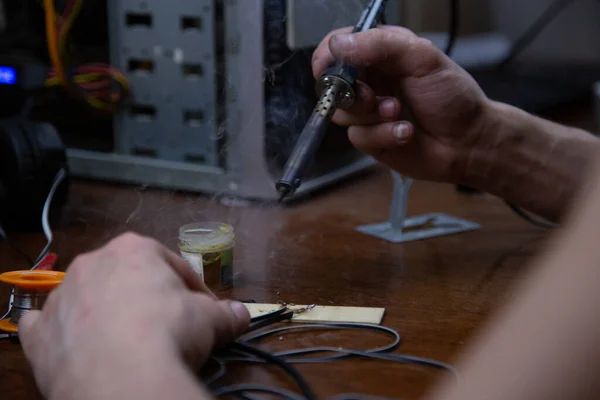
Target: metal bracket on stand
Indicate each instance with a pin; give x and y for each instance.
(421, 227)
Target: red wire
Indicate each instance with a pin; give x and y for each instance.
(99, 87)
(90, 68)
(102, 70)
(48, 262)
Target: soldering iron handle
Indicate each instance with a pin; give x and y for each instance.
(309, 141)
(371, 16)
(369, 19)
(343, 71)
(336, 90)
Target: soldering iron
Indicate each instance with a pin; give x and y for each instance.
(336, 88)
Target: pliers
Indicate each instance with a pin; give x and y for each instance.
(271, 318)
(284, 313)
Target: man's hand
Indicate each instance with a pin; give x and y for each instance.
(417, 111)
(131, 309)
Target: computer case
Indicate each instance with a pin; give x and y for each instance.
(219, 99)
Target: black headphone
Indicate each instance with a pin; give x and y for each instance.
(32, 155)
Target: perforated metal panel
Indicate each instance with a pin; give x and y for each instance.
(167, 51)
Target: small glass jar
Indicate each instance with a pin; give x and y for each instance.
(208, 248)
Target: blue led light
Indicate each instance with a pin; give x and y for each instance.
(8, 75)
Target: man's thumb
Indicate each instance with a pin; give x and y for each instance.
(224, 320)
(242, 315)
(398, 52)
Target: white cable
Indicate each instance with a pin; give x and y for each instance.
(60, 176)
(3, 235)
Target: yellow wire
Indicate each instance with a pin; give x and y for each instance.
(122, 80)
(51, 38)
(82, 78)
(90, 77)
(58, 50)
(62, 39)
(68, 24)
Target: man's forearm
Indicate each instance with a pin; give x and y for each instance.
(536, 164)
(544, 345)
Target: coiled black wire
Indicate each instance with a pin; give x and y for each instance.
(283, 364)
(243, 352)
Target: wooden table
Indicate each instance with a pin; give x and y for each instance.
(436, 293)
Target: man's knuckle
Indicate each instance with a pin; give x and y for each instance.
(333, 33)
(315, 57)
(413, 44)
(181, 307)
(345, 29)
(425, 43)
(355, 137)
(132, 240)
(425, 58)
(130, 237)
(79, 264)
(389, 36)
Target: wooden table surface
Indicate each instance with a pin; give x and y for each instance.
(436, 292)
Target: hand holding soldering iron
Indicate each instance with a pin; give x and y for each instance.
(418, 114)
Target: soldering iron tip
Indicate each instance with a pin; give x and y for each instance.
(281, 197)
(283, 193)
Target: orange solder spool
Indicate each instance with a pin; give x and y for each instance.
(30, 290)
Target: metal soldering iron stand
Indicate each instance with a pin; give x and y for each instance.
(433, 224)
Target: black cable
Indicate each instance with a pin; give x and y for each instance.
(290, 357)
(25, 112)
(382, 18)
(453, 31)
(352, 396)
(18, 250)
(27, 107)
(270, 315)
(4, 237)
(342, 352)
(388, 347)
(535, 29)
(291, 370)
(270, 319)
(217, 375)
(241, 390)
(530, 219)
